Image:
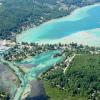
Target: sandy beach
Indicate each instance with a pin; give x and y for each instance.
(85, 37)
(70, 17)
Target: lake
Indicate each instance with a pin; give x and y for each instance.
(81, 26)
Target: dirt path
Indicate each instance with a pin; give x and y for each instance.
(68, 61)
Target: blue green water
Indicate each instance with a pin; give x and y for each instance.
(83, 19)
(42, 61)
(41, 58)
(45, 61)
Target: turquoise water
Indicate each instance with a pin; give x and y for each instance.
(83, 19)
(41, 58)
(42, 61)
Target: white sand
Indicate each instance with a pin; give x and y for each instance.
(85, 38)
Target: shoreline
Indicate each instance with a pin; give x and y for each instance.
(65, 17)
(65, 39)
(74, 12)
(87, 39)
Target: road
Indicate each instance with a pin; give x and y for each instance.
(68, 61)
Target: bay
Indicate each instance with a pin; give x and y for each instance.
(81, 26)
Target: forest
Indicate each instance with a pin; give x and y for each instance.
(81, 79)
